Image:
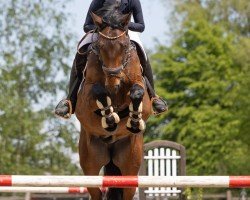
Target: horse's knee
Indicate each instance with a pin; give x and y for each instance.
(110, 119)
(136, 93)
(100, 93)
(136, 96)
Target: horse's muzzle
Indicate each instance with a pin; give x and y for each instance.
(113, 84)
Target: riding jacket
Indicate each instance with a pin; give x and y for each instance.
(126, 6)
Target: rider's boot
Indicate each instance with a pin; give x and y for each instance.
(66, 107)
(158, 104)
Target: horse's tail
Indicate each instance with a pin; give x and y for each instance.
(112, 170)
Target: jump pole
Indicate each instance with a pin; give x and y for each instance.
(48, 190)
(126, 181)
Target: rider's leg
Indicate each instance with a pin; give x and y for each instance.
(67, 106)
(159, 105)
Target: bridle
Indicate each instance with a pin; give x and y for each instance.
(110, 37)
(116, 71)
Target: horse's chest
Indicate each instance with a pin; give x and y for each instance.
(112, 138)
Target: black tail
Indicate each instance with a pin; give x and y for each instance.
(112, 170)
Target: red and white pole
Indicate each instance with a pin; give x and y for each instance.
(52, 190)
(126, 181)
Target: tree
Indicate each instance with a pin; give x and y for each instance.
(201, 76)
(35, 44)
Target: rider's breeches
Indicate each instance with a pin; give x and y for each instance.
(147, 71)
(76, 76)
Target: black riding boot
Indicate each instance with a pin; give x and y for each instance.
(66, 107)
(158, 104)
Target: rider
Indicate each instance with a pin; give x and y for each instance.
(67, 106)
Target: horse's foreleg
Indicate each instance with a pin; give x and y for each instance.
(110, 119)
(128, 157)
(93, 155)
(135, 123)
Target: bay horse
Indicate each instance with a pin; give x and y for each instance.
(112, 106)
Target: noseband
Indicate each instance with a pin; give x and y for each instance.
(116, 71)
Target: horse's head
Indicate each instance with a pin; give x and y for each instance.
(114, 45)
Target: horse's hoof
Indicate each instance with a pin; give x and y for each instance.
(110, 123)
(134, 131)
(136, 126)
(111, 128)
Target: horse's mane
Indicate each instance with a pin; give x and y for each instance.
(111, 15)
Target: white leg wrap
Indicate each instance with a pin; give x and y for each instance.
(140, 108)
(117, 118)
(131, 107)
(99, 104)
(109, 101)
(142, 125)
(130, 114)
(111, 111)
(104, 123)
(129, 123)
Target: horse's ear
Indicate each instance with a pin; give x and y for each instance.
(97, 20)
(126, 19)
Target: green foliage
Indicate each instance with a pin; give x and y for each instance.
(203, 74)
(196, 193)
(34, 46)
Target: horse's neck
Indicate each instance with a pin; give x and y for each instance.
(132, 72)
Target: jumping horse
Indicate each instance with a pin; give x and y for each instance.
(112, 106)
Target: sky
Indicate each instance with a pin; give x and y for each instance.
(155, 17)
